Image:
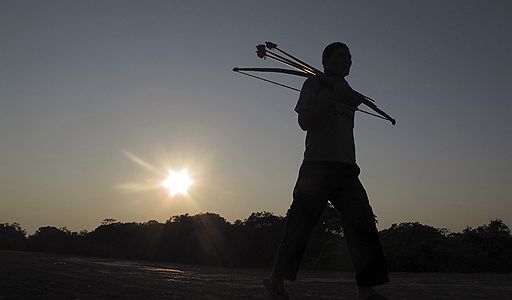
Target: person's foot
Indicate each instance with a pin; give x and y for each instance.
(275, 288)
(367, 293)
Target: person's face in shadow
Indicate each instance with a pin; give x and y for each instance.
(339, 62)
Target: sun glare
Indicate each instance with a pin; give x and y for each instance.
(177, 183)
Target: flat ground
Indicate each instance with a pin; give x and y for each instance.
(28, 275)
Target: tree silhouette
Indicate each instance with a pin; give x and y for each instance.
(484, 249)
(415, 247)
(12, 236)
(207, 238)
(51, 239)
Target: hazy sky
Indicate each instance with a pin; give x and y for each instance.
(99, 98)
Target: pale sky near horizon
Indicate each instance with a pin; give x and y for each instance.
(99, 98)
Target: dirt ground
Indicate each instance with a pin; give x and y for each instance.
(27, 275)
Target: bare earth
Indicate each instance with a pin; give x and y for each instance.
(27, 275)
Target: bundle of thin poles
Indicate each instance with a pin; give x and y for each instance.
(300, 68)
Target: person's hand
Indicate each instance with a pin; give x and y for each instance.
(352, 98)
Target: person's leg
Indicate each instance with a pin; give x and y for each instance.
(309, 200)
(359, 229)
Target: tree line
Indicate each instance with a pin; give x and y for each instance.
(209, 239)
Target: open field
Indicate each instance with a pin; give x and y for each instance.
(28, 275)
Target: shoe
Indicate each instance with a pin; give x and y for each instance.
(276, 292)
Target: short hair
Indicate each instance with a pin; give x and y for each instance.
(330, 49)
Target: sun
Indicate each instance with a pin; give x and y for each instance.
(177, 183)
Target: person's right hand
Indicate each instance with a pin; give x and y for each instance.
(352, 98)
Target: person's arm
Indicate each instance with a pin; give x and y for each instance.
(311, 109)
(352, 98)
(312, 117)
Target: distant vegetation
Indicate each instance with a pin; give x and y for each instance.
(208, 238)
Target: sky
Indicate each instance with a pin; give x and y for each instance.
(98, 99)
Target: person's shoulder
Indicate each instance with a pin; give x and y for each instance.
(312, 83)
(315, 79)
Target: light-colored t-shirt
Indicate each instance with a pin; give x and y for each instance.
(333, 138)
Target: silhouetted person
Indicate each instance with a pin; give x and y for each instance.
(329, 172)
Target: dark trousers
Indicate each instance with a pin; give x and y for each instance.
(319, 182)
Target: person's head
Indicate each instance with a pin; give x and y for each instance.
(336, 59)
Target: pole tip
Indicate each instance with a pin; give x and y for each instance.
(271, 45)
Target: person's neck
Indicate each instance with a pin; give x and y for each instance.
(333, 74)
